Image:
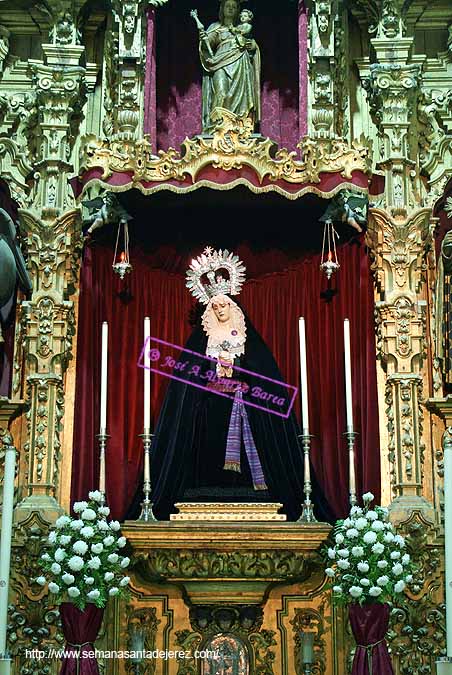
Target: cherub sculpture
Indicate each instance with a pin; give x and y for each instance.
(104, 209)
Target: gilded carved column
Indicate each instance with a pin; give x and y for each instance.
(400, 236)
(53, 230)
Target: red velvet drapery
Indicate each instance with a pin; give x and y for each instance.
(273, 301)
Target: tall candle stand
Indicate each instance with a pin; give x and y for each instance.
(350, 436)
(103, 437)
(147, 514)
(307, 514)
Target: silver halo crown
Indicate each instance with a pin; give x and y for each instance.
(208, 264)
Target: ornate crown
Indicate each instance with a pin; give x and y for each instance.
(207, 265)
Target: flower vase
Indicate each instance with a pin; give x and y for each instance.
(80, 629)
(369, 626)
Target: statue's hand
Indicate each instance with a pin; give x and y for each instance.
(250, 45)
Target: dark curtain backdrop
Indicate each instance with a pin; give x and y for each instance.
(179, 71)
(274, 301)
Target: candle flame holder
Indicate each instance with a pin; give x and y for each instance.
(329, 264)
(307, 514)
(122, 266)
(147, 514)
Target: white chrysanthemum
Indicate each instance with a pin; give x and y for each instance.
(89, 580)
(357, 551)
(77, 524)
(368, 497)
(115, 526)
(405, 559)
(80, 506)
(388, 537)
(94, 563)
(356, 511)
(383, 580)
(395, 555)
(400, 541)
(347, 522)
(56, 568)
(122, 541)
(399, 586)
(41, 581)
(375, 591)
(397, 569)
(363, 567)
(409, 578)
(88, 514)
(352, 533)
(113, 558)
(382, 564)
(46, 557)
(103, 511)
(68, 578)
(62, 521)
(339, 538)
(54, 588)
(124, 581)
(331, 553)
(329, 572)
(73, 592)
(52, 537)
(125, 562)
(103, 526)
(378, 526)
(94, 594)
(87, 532)
(370, 537)
(60, 555)
(108, 541)
(355, 591)
(364, 582)
(372, 515)
(337, 590)
(97, 548)
(378, 548)
(75, 563)
(96, 496)
(343, 564)
(108, 576)
(113, 591)
(80, 547)
(361, 523)
(65, 539)
(343, 552)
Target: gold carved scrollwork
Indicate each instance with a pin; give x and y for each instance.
(314, 621)
(232, 146)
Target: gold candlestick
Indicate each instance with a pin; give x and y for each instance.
(146, 506)
(351, 435)
(307, 515)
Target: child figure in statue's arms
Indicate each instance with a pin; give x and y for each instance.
(243, 30)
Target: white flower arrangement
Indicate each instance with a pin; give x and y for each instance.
(83, 562)
(368, 561)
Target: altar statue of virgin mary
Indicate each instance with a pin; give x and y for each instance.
(213, 447)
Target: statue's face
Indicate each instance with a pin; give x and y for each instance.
(230, 9)
(222, 310)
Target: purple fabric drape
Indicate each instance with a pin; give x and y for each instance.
(303, 68)
(80, 629)
(150, 102)
(369, 625)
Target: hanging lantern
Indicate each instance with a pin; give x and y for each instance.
(122, 265)
(329, 263)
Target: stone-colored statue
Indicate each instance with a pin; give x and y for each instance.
(231, 62)
(443, 308)
(104, 209)
(12, 266)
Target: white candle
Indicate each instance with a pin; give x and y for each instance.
(103, 381)
(303, 377)
(348, 375)
(147, 374)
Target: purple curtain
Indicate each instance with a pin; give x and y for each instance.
(369, 625)
(80, 629)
